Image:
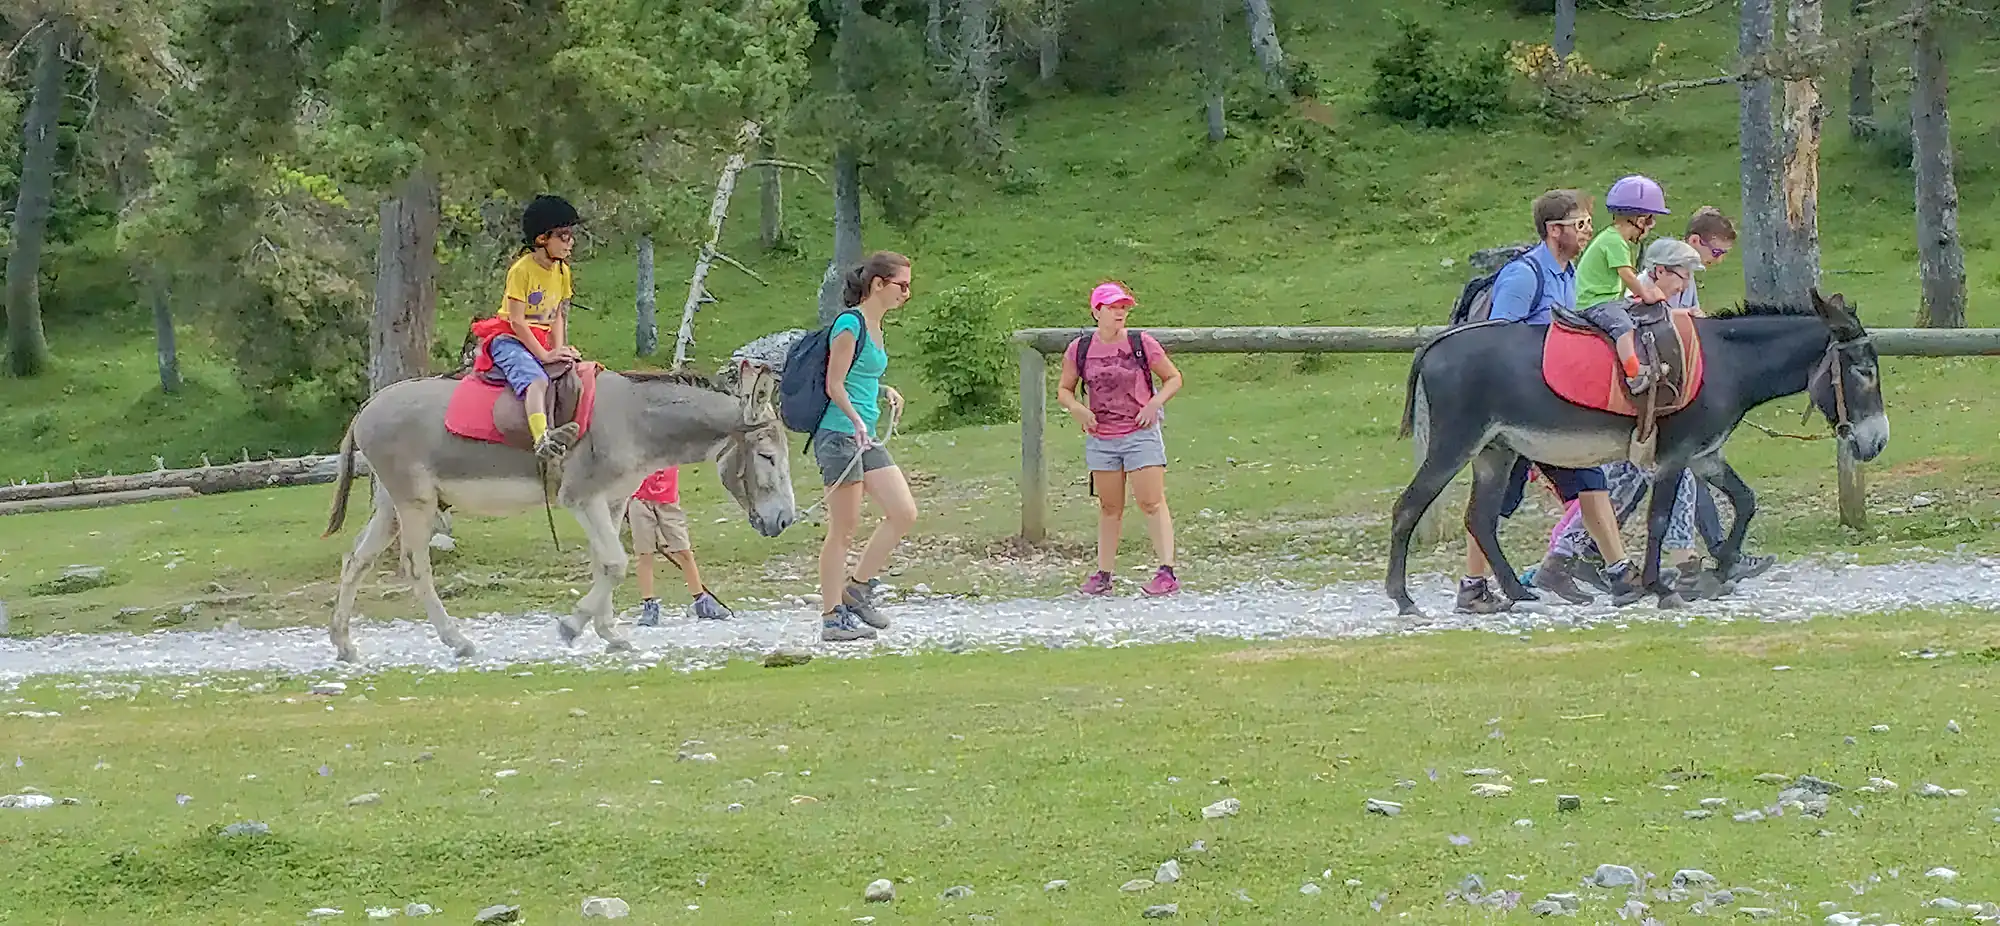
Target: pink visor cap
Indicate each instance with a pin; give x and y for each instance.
(1109, 294)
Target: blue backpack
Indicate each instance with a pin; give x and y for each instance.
(802, 400)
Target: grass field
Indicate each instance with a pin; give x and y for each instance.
(1005, 771)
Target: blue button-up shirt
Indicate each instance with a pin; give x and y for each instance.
(1514, 288)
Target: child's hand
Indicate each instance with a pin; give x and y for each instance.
(1652, 294)
(565, 352)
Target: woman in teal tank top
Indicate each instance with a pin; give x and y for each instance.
(851, 464)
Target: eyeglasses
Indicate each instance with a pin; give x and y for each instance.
(1713, 251)
(904, 285)
(563, 235)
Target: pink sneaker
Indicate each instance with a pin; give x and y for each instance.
(1164, 583)
(1098, 583)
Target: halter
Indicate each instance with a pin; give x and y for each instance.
(1831, 367)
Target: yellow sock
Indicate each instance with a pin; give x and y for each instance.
(538, 425)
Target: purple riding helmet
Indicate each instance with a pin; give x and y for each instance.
(1636, 193)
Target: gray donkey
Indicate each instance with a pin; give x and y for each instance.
(641, 423)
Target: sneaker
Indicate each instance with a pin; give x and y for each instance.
(1556, 574)
(1164, 583)
(555, 442)
(1475, 596)
(649, 613)
(842, 625)
(1099, 583)
(859, 597)
(707, 607)
(1748, 567)
(1623, 579)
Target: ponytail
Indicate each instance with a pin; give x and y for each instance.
(857, 282)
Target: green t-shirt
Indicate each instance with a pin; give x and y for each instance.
(864, 378)
(1597, 270)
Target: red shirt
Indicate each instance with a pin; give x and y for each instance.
(663, 486)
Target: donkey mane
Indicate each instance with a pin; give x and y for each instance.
(678, 378)
(1763, 309)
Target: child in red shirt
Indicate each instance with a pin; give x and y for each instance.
(659, 526)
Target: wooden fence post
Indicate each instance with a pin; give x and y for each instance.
(1853, 488)
(1034, 478)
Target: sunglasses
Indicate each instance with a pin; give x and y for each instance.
(1713, 251)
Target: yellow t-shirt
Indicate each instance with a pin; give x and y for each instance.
(544, 290)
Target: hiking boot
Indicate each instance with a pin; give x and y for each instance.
(1475, 596)
(707, 607)
(842, 625)
(1623, 581)
(1747, 567)
(1099, 583)
(555, 442)
(649, 613)
(1556, 574)
(1164, 583)
(859, 597)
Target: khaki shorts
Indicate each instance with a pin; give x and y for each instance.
(657, 527)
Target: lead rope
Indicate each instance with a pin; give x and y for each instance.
(895, 415)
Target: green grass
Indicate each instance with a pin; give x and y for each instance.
(1273, 456)
(1004, 771)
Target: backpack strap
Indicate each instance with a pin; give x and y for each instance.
(1145, 365)
(1077, 352)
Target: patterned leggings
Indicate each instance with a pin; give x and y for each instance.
(1628, 482)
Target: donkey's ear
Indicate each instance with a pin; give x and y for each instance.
(1840, 317)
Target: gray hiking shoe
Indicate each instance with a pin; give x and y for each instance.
(1557, 573)
(555, 442)
(1623, 579)
(707, 607)
(841, 625)
(649, 613)
(1475, 596)
(1748, 567)
(859, 597)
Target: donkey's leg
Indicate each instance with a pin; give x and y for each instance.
(375, 537)
(1443, 457)
(416, 518)
(1490, 470)
(1742, 499)
(1659, 513)
(607, 560)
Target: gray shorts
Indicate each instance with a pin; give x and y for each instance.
(1136, 450)
(1613, 318)
(834, 451)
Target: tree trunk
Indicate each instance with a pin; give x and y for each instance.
(1264, 41)
(647, 331)
(748, 139)
(771, 224)
(1215, 67)
(846, 231)
(1048, 36)
(1565, 43)
(934, 30)
(158, 292)
(1861, 78)
(27, 346)
(1805, 117)
(406, 270)
(1940, 256)
(975, 27)
(1759, 159)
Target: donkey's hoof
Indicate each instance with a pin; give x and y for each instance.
(466, 650)
(618, 646)
(1409, 609)
(1672, 601)
(1523, 595)
(568, 633)
(348, 654)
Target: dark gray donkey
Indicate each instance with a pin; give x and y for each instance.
(1476, 393)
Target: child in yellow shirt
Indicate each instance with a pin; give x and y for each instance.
(532, 326)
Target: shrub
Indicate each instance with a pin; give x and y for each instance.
(1414, 83)
(962, 334)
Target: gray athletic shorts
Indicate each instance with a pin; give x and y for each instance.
(1136, 450)
(834, 451)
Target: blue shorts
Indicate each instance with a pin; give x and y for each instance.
(1569, 483)
(516, 363)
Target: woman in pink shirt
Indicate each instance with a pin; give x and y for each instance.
(1121, 426)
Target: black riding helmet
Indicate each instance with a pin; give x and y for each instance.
(546, 214)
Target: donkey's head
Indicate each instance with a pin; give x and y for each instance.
(1847, 388)
(755, 460)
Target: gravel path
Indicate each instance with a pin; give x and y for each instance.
(1791, 592)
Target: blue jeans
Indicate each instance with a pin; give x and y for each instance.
(516, 363)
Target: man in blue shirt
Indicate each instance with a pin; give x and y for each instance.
(1562, 220)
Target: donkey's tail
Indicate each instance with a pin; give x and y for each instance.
(342, 486)
(1410, 391)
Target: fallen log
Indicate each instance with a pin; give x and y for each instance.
(93, 500)
(202, 480)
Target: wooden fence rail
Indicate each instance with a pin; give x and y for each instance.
(1037, 344)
